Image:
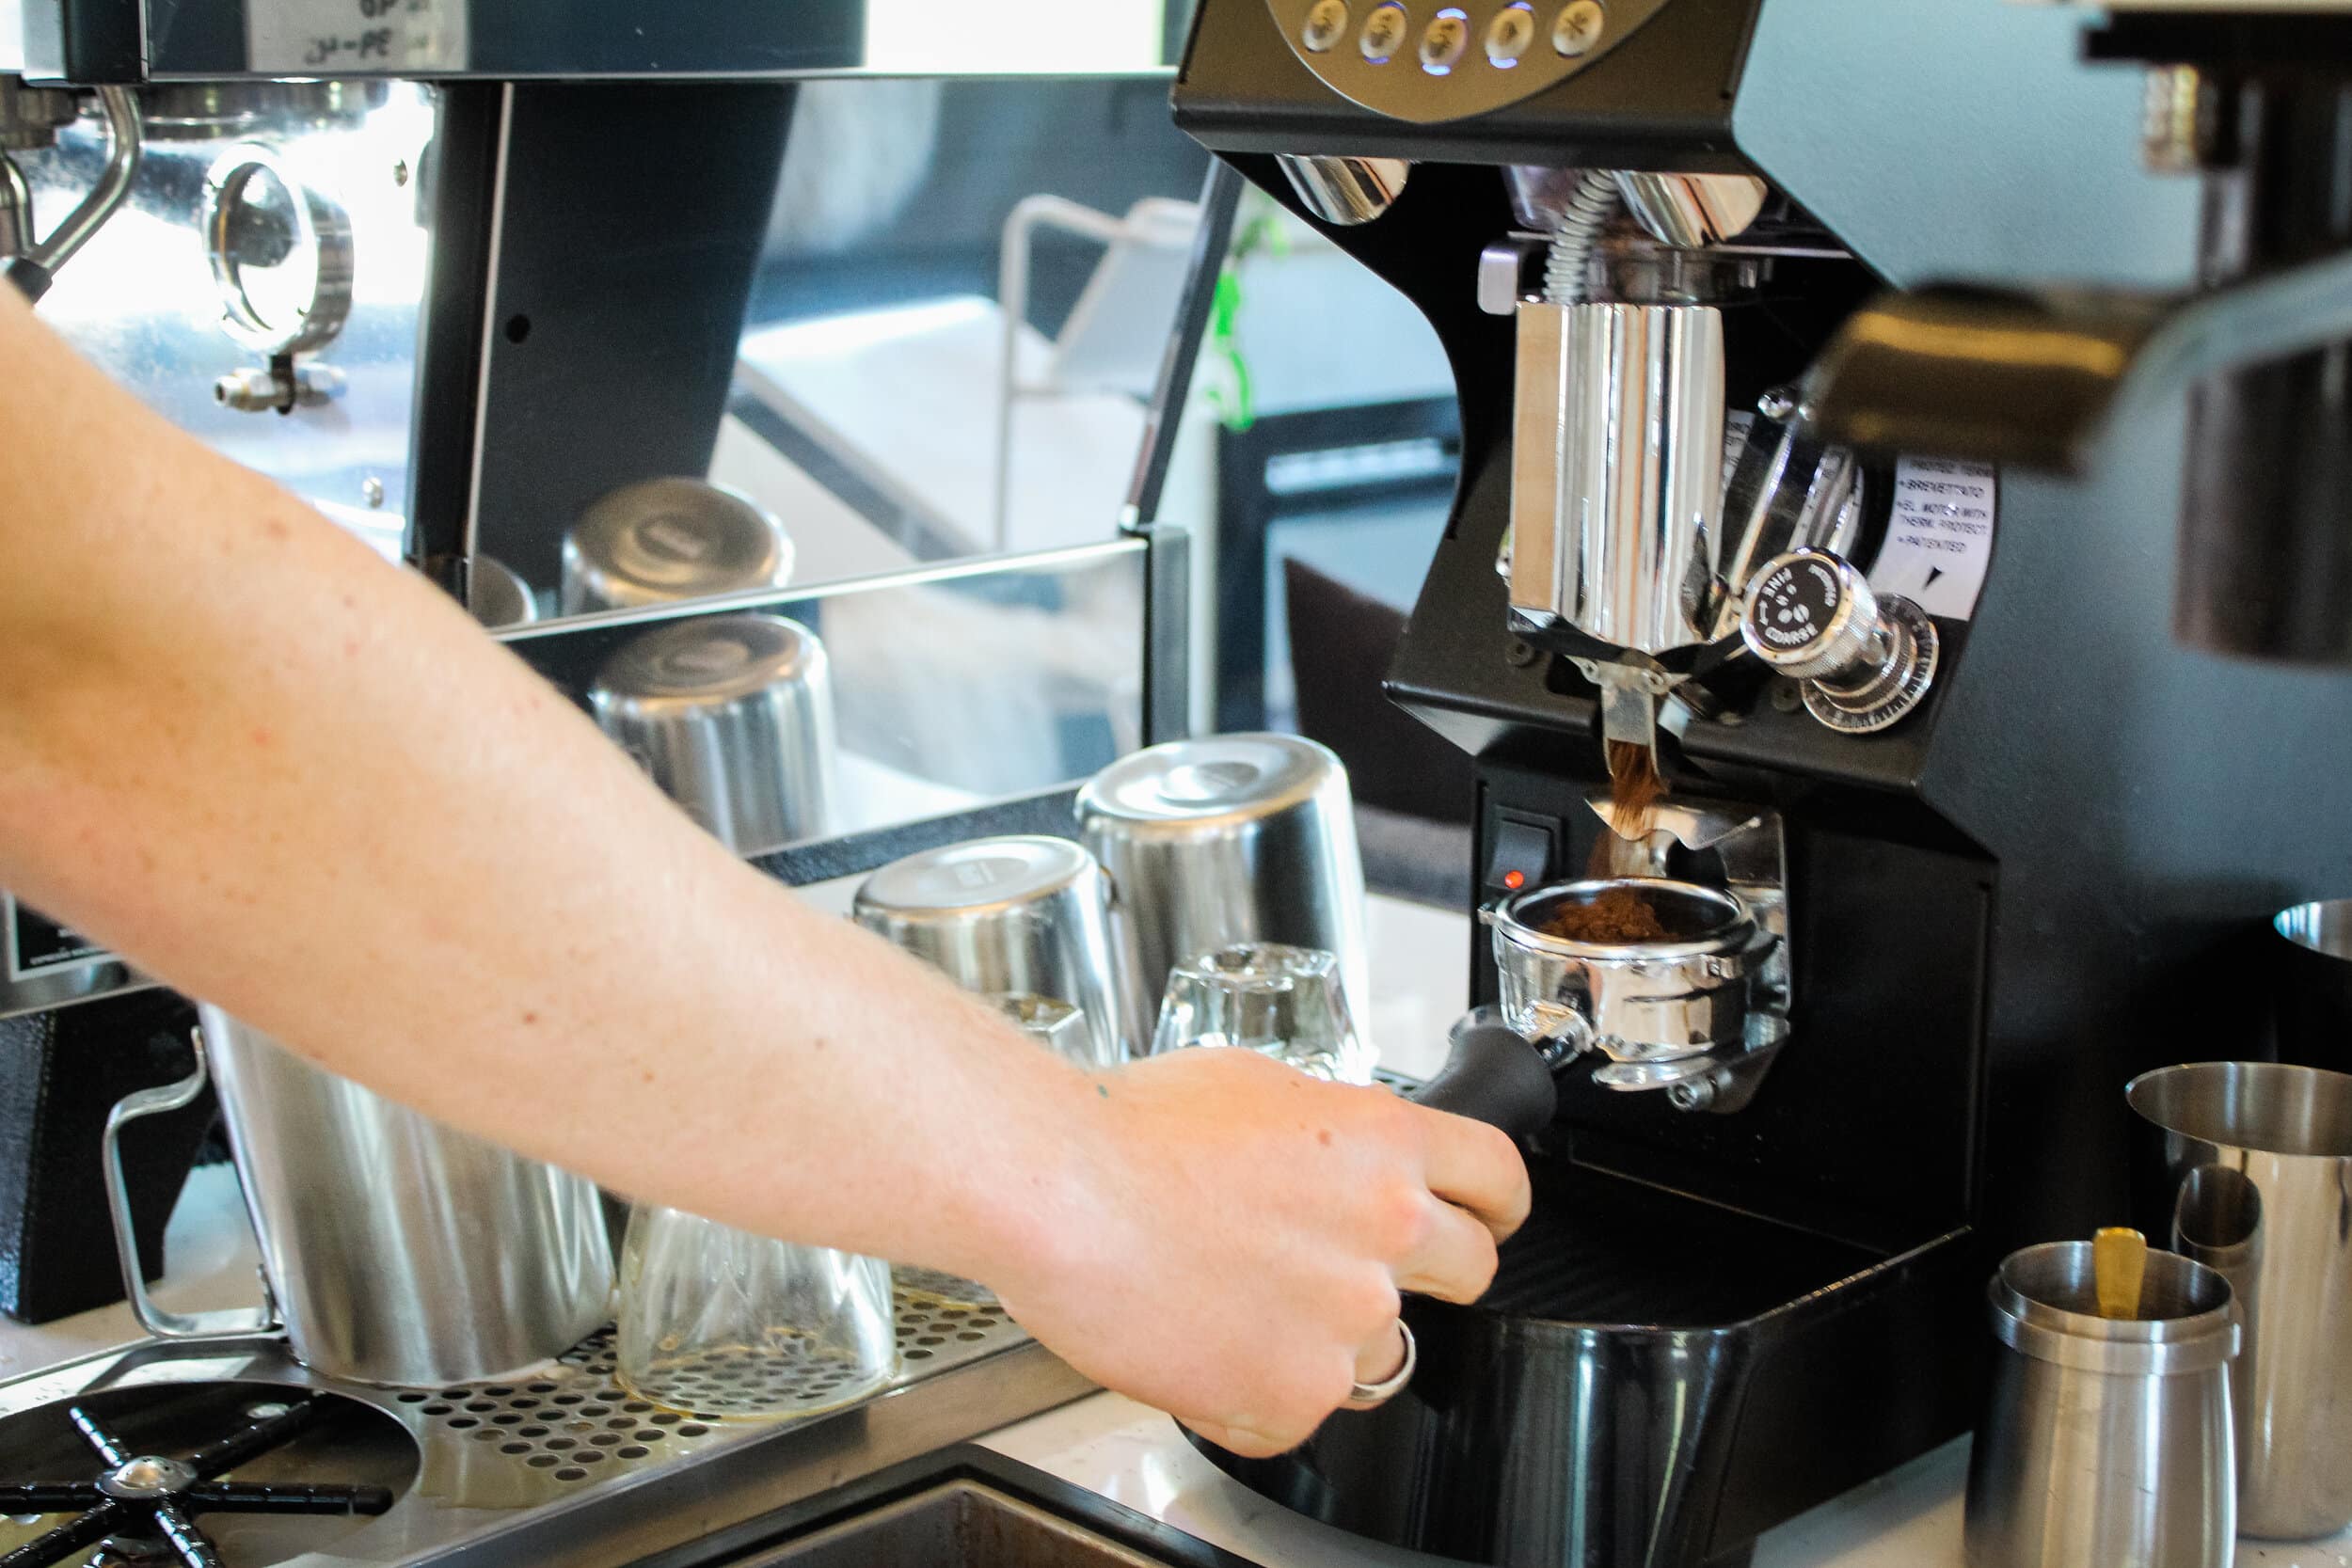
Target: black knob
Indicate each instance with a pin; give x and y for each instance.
(30, 277)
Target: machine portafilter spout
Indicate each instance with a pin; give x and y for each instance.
(2041, 379)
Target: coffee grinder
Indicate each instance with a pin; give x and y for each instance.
(1933, 841)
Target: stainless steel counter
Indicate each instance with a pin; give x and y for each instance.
(1132, 1455)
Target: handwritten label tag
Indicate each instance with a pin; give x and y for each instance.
(343, 38)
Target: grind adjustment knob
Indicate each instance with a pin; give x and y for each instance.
(1864, 661)
(1811, 615)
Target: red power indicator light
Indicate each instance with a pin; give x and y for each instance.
(1514, 879)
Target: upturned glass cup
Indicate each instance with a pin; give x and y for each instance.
(1282, 1002)
(1059, 1026)
(721, 1323)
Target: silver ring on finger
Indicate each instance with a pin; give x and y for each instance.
(1371, 1396)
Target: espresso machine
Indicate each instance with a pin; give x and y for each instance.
(1935, 833)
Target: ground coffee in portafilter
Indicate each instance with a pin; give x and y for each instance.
(1618, 914)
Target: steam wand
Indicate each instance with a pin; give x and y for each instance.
(32, 265)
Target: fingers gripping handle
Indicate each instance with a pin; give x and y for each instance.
(1493, 1076)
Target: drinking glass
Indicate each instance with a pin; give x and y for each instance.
(1282, 1002)
(719, 1322)
(1060, 1026)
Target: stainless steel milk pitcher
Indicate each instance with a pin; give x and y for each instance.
(2254, 1168)
(394, 1249)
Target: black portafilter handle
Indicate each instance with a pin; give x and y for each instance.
(1494, 1076)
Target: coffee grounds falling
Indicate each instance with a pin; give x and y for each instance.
(1634, 788)
(1618, 914)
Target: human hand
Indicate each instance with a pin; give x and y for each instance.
(1237, 1235)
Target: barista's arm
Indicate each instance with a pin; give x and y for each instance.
(296, 781)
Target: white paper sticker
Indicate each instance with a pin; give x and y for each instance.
(350, 38)
(1940, 539)
(39, 945)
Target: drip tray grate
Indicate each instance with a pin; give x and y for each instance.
(574, 1421)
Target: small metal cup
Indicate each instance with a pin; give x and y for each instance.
(732, 714)
(2104, 1440)
(2252, 1166)
(1227, 839)
(1018, 914)
(498, 597)
(663, 541)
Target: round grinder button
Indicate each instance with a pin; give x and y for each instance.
(1444, 41)
(1795, 605)
(1384, 33)
(1327, 24)
(1509, 34)
(1577, 27)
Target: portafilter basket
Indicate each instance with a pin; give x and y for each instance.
(1660, 976)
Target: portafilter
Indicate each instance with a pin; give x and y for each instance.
(1668, 981)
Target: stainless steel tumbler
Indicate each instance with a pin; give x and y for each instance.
(2310, 983)
(666, 540)
(2255, 1176)
(732, 714)
(2105, 1441)
(1018, 914)
(1227, 839)
(498, 597)
(397, 1250)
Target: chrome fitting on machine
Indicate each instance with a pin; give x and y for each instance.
(30, 117)
(282, 387)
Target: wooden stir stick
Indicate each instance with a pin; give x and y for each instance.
(2119, 1264)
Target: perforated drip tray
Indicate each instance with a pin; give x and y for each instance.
(577, 1421)
(559, 1465)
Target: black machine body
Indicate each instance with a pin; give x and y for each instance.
(2037, 878)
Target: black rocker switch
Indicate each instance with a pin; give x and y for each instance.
(1522, 856)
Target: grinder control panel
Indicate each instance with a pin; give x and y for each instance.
(1431, 60)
